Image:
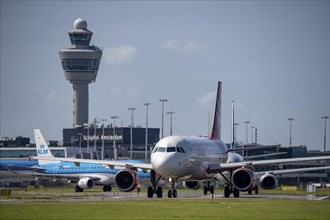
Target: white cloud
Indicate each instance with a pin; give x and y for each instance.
(208, 99)
(120, 54)
(184, 46)
(134, 92)
(54, 98)
(116, 91)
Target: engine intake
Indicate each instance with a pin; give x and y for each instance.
(243, 179)
(268, 181)
(86, 183)
(194, 185)
(126, 180)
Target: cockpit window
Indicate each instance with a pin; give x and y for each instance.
(182, 151)
(162, 149)
(168, 149)
(171, 149)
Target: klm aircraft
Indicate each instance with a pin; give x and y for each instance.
(85, 175)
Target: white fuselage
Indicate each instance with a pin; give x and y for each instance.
(187, 158)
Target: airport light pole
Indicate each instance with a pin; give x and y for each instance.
(246, 132)
(170, 113)
(290, 119)
(80, 151)
(325, 132)
(131, 133)
(146, 144)
(252, 128)
(114, 137)
(102, 151)
(236, 125)
(162, 101)
(256, 135)
(95, 150)
(87, 125)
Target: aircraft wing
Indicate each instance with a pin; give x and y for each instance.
(287, 171)
(263, 155)
(110, 163)
(216, 168)
(72, 177)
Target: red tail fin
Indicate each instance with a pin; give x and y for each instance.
(216, 127)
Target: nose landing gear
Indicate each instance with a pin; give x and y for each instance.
(172, 191)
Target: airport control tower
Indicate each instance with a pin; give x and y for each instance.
(80, 64)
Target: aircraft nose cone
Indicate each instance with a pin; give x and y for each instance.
(162, 164)
(165, 165)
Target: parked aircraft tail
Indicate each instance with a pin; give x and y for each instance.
(42, 148)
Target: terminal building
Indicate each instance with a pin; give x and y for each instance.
(91, 140)
(20, 147)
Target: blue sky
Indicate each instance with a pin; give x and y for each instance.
(271, 56)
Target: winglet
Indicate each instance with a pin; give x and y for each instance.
(42, 148)
(216, 127)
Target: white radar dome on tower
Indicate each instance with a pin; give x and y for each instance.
(80, 24)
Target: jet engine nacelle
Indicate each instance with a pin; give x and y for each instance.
(86, 183)
(268, 181)
(243, 179)
(191, 185)
(126, 180)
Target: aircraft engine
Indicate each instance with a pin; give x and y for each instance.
(126, 180)
(191, 185)
(86, 183)
(243, 179)
(268, 181)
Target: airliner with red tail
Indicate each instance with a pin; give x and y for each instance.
(197, 160)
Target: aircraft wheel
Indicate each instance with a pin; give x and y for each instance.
(150, 192)
(205, 190)
(169, 194)
(159, 192)
(236, 193)
(175, 193)
(77, 189)
(107, 188)
(257, 190)
(226, 191)
(212, 189)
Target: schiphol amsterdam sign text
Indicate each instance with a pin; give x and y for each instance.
(102, 137)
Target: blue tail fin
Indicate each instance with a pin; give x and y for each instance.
(42, 148)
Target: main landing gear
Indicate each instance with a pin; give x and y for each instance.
(208, 188)
(107, 188)
(78, 189)
(256, 190)
(154, 189)
(229, 187)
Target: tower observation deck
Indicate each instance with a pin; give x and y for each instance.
(80, 64)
